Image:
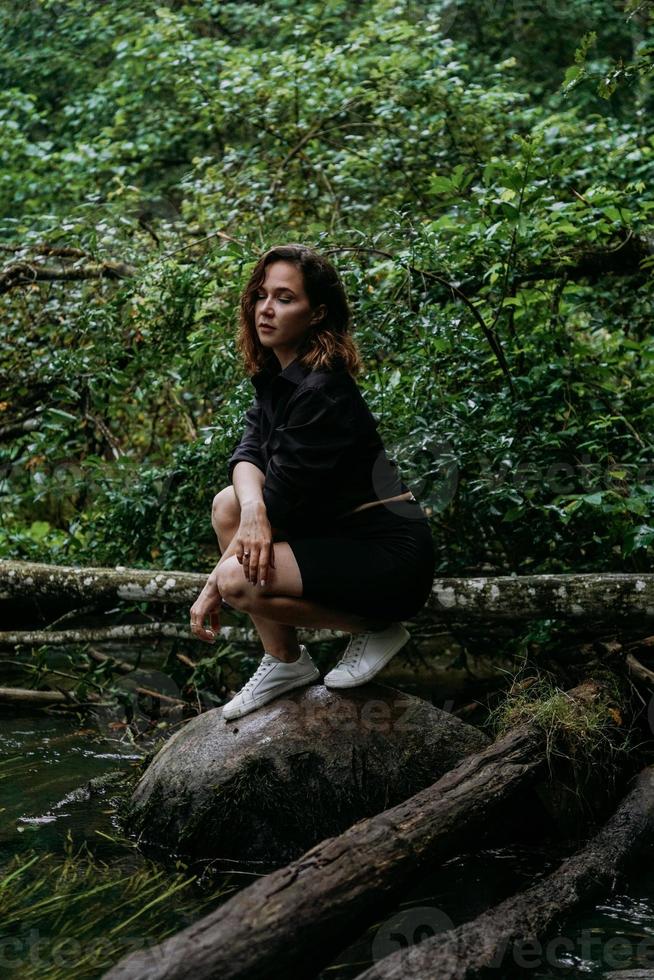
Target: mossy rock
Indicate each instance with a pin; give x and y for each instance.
(270, 785)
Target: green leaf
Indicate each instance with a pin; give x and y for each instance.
(60, 413)
(440, 185)
(637, 538)
(593, 499)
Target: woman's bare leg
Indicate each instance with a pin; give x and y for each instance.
(275, 616)
(278, 639)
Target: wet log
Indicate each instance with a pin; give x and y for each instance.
(100, 634)
(504, 598)
(20, 578)
(602, 598)
(139, 633)
(629, 975)
(509, 936)
(639, 670)
(27, 696)
(294, 921)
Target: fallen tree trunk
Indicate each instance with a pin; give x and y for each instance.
(28, 696)
(99, 634)
(507, 936)
(630, 975)
(507, 598)
(20, 578)
(143, 632)
(639, 670)
(292, 922)
(502, 598)
(24, 695)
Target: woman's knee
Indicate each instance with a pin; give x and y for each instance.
(231, 580)
(284, 579)
(225, 509)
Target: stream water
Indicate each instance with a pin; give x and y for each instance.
(72, 913)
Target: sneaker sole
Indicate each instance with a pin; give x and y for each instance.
(363, 679)
(299, 682)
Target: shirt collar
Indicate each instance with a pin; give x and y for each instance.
(294, 373)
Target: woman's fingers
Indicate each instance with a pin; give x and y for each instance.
(256, 558)
(254, 563)
(246, 556)
(242, 551)
(200, 609)
(264, 561)
(201, 632)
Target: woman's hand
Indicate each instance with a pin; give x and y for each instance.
(253, 542)
(206, 604)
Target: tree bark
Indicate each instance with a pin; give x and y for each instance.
(143, 631)
(99, 634)
(639, 670)
(507, 936)
(21, 695)
(504, 598)
(26, 273)
(630, 975)
(507, 598)
(27, 696)
(294, 921)
(25, 578)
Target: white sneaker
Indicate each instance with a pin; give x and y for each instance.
(365, 655)
(271, 678)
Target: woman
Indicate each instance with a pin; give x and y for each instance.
(316, 528)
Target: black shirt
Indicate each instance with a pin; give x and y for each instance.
(316, 440)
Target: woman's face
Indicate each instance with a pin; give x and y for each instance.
(282, 312)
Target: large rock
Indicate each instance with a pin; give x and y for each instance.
(306, 766)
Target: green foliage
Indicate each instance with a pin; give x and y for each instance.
(489, 211)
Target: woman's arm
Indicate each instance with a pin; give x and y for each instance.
(249, 448)
(248, 480)
(254, 533)
(245, 471)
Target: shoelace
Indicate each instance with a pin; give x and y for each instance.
(248, 686)
(352, 650)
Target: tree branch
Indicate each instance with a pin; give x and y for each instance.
(27, 273)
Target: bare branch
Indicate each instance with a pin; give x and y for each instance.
(27, 273)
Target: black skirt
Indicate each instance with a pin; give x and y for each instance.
(378, 562)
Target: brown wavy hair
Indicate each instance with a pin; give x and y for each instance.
(329, 342)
